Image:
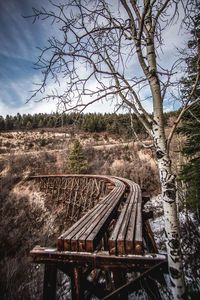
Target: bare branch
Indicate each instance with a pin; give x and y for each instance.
(158, 14)
(137, 137)
(130, 104)
(193, 115)
(186, 105)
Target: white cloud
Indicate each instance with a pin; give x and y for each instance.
(11, 105)
(21, 43)
(40, 107)
(27, 108)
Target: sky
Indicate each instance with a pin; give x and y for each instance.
(19, 39)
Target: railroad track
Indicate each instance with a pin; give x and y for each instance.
(109, 232)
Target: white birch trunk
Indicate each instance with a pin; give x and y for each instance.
(167, 180)
(168, 186)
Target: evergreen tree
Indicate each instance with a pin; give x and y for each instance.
(28, 125)
(8, 123)
(190, 173)
(2, 123)
(40, 124)
(50, 123)
(77, 163)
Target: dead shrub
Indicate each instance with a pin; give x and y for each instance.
(19, 279)
(18, 164)
(124, 163)
(26, 222)
(2, 165)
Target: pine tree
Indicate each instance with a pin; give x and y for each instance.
(40, 124)
(8, 123)
(77, 163)
(2, 123)
(28, 125)
(190, 173)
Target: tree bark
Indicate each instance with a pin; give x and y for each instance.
(168, 187)
(167, 179)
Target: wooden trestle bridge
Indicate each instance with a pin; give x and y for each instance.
(109, 237)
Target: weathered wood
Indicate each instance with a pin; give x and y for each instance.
(150, 237)
(126, 237)
(101, 260)
(66, 188)
(133, 284)
(89, 235)
(87, 186)
(105, 241)
(49, 285)
(73, 287)
(85, 234)
(100, 224)
(114, 202)
(138, 232)
(64, 241)
(77, 282)
(119, 280)
(130, 229)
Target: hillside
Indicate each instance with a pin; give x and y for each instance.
(46, 151)
(28, 217)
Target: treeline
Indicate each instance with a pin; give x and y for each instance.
(90, 122)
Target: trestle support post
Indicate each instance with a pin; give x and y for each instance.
(49, 284)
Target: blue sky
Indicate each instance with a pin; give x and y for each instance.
(18, 52)
(19, 38)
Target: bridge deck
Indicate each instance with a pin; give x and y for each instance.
(126, 237)
(111, 233)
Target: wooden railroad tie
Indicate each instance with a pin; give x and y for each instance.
(85, 234)
(126, 237)
(110, 236)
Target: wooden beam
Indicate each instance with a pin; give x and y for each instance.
(100, 260)
(150, 237)
(77, 282)
(49, 285)
(119, 278)
(93, 289)
(132, 285)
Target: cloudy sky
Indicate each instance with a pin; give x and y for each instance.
(19, 39)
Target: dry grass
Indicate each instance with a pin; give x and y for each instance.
(20, 142)
(137, 165)
(29, 217)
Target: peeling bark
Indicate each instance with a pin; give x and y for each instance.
(168, 186)
(167, 180)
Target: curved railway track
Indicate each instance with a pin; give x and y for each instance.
(107, 232)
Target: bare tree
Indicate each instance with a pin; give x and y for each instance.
(110, 50)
